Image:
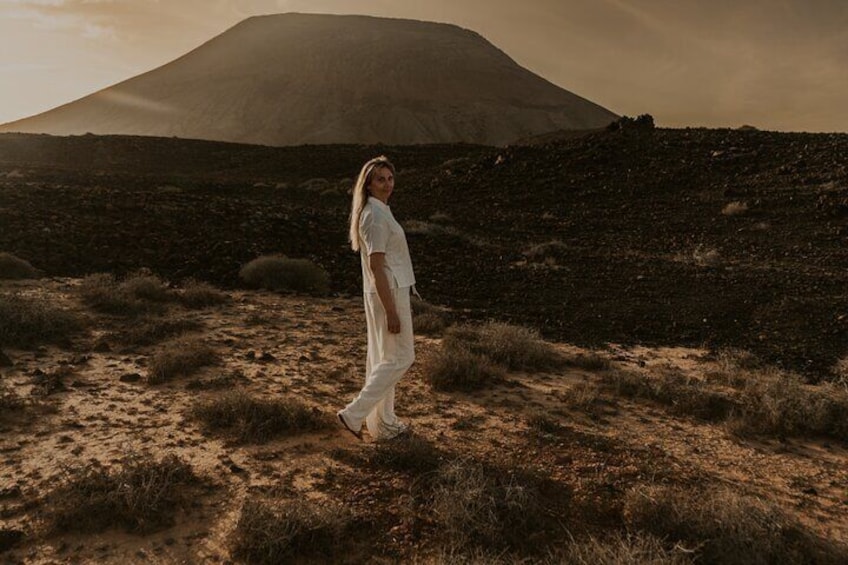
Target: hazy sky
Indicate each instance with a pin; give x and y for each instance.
(775, 64)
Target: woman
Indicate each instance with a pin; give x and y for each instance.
(387, 281)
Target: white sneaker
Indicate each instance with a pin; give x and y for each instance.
(391, 431)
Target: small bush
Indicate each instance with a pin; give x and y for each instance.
(141, 293)
(29, 322)
(198, 294)
(684, 395)
(141, 496)
(735, 208)
(427, 318)
(456, 367)
(478, 506)
(584, 396)
(407, 454)
(150, 332)
(281, 273)
(12, 267)
(780, 403)
(253, 420)
(724, 527)
(146, 286)
(289, 532)
(179, 359)
(513, 347)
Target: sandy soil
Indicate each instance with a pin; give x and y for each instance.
(313, 349)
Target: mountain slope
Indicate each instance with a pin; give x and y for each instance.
(292, 79)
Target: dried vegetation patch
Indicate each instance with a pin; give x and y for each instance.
(280, 273)
(253, 420)
(29, 322)
(293, 531)
(141, 293)
(179, 358)
(475, 357)
(722, 526)
(142, 495)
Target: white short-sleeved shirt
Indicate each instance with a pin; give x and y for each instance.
(379, 232)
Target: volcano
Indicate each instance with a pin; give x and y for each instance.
(292, 79)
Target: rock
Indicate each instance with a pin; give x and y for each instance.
(130, 378)
(5, 361)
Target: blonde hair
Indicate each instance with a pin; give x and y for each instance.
(360, 194)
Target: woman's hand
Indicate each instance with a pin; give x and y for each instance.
(393, 321)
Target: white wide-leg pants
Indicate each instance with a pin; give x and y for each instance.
(389, 356)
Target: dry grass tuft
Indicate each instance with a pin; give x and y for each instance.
(408, 454)
(620, 549)
(289, 532)
(198, 294)
(781, 403)
(454, 367)
(12, 267)
(253, 420)
(142, 293)
(514, 347)
(682, 394)
(29, 322)
(150, 332)
(427, 318)
(179, 359)
(474, 505)
(142, 496)
(722, 526)
(280, 273)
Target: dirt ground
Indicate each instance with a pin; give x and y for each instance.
(313, 349)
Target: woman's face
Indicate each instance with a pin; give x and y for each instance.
(382, 183)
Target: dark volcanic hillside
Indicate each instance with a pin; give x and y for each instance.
(291, 79)
(662, 237)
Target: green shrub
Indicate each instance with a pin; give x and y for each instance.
(254, 420)
(141, 496)
(12, 267)
(289, 532)
(281, 273)
(29, 322)
(179, 359)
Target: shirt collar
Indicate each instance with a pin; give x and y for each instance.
(378, 203)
